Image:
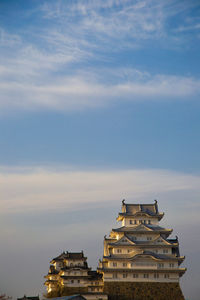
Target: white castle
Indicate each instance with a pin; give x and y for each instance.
(140, 250)
(139, 257)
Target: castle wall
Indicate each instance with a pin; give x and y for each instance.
(143, 291)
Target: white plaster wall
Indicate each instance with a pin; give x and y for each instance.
(173, 277)
(145, 220)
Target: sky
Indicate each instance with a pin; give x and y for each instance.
(99, 102)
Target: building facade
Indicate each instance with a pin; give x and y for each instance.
(140, 262)
(69, 274)
(140, 250)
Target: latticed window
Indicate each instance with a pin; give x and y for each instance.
(146, 275)
(135, 275)
(124, 264)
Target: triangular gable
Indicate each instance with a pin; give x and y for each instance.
(124, 241)
(143, 256)
(160, 241)
(142, 227)
(142, 213)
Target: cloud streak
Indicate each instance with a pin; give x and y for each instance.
(81, 92)
(41, 189)
(43, 73)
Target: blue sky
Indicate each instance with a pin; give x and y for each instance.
(99, 101)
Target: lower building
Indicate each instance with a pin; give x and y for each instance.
(69, 274)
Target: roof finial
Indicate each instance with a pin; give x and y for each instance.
(123, 201)
(156, 201)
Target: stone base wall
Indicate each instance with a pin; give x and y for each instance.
(66, 291)
(143, 291)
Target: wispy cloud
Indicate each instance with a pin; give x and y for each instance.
(43, 72)
(81, 92)
(39, 189)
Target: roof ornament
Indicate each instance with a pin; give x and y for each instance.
(177, 237)
(123, 201)
(156, 206)
(104, 236)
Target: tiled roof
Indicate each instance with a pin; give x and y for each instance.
(151, 209)
(69, 255)
(138, 227)
(29, 298)
(94, 275)
(72, 297)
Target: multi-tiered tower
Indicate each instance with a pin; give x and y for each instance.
(140, 252)
(69, 274)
